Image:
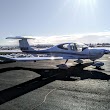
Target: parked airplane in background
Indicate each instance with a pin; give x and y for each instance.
(62, 51)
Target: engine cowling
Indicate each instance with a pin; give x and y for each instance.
(95, 54)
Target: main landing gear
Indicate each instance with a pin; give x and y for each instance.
(79, 61)
(66, 61)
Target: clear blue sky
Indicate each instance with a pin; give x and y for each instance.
(53, 17)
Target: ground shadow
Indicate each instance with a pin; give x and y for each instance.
(78, 71)
(6, 62)
(48, 76)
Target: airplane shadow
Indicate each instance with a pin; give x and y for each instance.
(78, 71)
(48, 76)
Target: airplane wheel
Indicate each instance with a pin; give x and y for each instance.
(98, 67)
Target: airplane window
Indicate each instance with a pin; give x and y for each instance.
(81, 47)
(63, 46)
(73, 47)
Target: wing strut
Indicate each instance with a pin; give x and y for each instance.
(66, 61)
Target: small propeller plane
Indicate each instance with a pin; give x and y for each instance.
(66, 51)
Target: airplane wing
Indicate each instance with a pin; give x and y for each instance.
(7, 58)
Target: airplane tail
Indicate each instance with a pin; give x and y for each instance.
(23, 43)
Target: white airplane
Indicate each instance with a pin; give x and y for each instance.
(62, 51)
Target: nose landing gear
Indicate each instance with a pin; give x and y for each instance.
(98, 65)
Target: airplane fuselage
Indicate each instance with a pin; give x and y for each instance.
(88, 53)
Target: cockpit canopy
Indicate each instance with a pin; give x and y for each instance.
(73, 46)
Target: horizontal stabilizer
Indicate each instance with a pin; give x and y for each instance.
(19, 37)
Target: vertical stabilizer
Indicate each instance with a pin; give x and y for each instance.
(24, 45)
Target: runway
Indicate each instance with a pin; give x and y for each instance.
(42, 85)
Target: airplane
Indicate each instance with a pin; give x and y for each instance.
(66, 51)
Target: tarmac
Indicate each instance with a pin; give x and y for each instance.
(51, 85)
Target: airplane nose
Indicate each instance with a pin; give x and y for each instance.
(106, 51)
(101, 52)
(96, 52)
